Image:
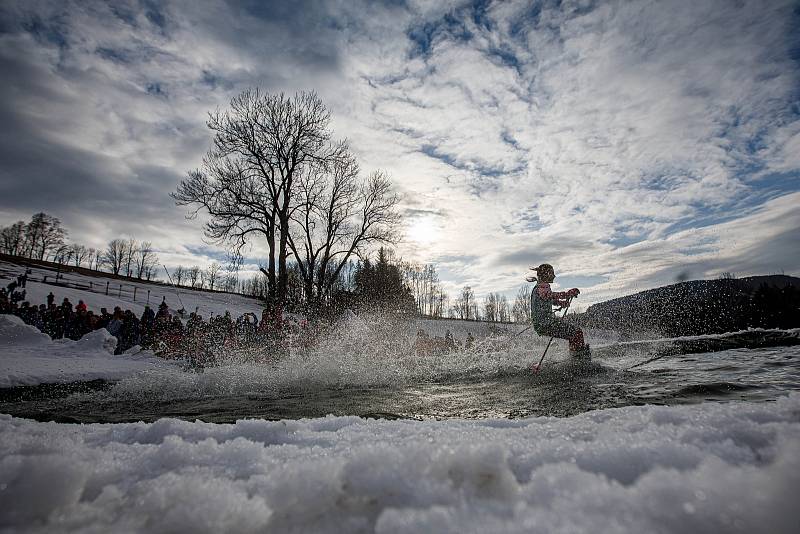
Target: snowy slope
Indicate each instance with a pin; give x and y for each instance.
(28, 357)
(207, 303)
(709, 468)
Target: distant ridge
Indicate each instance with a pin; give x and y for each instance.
(702, 307)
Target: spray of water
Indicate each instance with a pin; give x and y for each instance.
(359, 351)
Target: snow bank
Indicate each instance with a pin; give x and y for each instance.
(28, 357)
(14, 332)
(710, 468)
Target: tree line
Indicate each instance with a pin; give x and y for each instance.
(383, 281)
(495, 307)
(44, 238)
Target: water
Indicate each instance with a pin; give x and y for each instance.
(370, 371)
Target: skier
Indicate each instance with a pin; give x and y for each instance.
(544, 319)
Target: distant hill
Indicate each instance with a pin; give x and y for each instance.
(703, 307)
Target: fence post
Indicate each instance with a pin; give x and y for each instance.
(107, 287)
(90, 285)
(148, 297)
(119, 295)
(134, 293)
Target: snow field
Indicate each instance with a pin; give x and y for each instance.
(29, 357)
(710, 468)
(207, 303)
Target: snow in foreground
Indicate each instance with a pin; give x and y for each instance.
(704, 468)
(29, 357)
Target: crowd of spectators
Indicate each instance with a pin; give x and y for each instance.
(424, 344)
(162, 331)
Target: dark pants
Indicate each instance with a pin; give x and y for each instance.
(561, 329)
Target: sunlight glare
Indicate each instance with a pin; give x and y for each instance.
(422, 230)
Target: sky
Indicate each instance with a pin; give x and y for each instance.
(630, 144)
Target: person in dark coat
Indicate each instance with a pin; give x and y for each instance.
(17, 296)
(40, 317)
(58, 322)
(147, 325)
(130, 332)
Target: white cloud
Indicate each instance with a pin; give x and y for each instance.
(630, 118)
(535, 132)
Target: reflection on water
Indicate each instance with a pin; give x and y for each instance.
(493, 381)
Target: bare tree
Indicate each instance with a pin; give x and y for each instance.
(441, 303)
(79, 254)
(114, 255)
(62, 254)
(193, 276)
(521, 311)
(465, 306)
(212, 275)
(426, 287)
(93, 258)
(202, 279)
(230, 282)
(337, 217)
(44, 235)
(12, 239)
(490, 307)
(247, 182)
(178, 274)
(256, 286)
(503, 313)
(129, 258)
(146, 260)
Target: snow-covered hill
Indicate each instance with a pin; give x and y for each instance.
(92, 290)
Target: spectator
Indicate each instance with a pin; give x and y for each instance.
(17, 296)
(470, 341)
(114, 326)
(129, 335)
(163, 308)
(162, 331)
(41, 316)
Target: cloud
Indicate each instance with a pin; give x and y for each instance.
(632, 121)
(619, 141)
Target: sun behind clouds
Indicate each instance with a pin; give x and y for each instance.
(422, 230)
